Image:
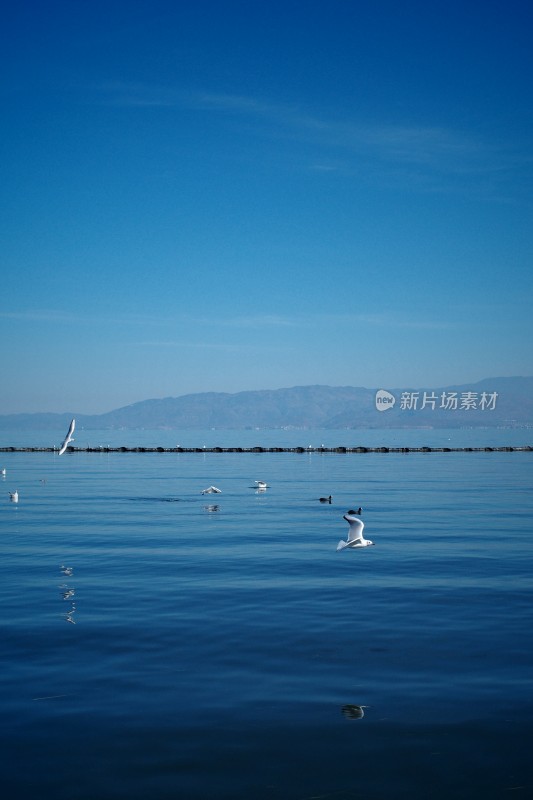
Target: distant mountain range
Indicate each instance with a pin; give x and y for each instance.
(492, 402)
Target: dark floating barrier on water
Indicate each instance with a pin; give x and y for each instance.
(321, 449)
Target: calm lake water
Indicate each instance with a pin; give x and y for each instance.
(218, 647)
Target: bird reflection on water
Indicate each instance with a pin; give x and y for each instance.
(352, 711)
(67, 593)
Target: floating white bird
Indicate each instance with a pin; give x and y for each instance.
(3, 472)
(68, 437)
(14, 496)
(211, 490)
(66, 570)
(355, 533)
(261, 484)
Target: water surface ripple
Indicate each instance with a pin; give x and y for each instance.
(157, 642)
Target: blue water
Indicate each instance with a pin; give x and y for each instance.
(280, 437)
(222, 645)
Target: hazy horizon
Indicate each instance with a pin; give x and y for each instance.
(489, 385)
(228, 197)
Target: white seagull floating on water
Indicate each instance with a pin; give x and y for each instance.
(355, 533)
(14, 496)
(212, 490)
(68, 437)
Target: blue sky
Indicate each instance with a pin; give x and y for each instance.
(222, 196)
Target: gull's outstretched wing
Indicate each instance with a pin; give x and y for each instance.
(342, 544)
(356, 527)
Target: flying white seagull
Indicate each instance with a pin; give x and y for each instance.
(68, 437)
(212, 490)
(355, 532)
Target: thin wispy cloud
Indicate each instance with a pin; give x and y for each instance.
(252, 322)
(205, 346)
(438, 148)
(318, 318)
(135, 95)
(55, 316)
(61, 317)
(346, 145)
(264, 321)
(404, 143)
(386, 320)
